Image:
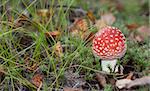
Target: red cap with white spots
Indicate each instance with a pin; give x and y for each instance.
(109, 43)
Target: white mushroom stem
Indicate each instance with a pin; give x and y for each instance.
(109, 63)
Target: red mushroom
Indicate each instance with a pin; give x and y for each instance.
(109, 44)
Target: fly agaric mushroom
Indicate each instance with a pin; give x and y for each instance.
(109, 44)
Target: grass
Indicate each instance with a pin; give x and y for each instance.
(15, 46)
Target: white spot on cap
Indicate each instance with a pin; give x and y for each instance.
(116, 51)
(97, 50)
(113, 28)
(103, 31)
(99, 38)
(117, 48)
(116, 39)
(115, 43)
(121, 35)
(110, 54)
(113, 31)
(108, 46)
(106, 37)
(116, 34)
(119, 43)
(104, 34)
(111, 40)
(96, 46)
(111, 35)
(107, 41)
(100, 48)
(103, 44)
(111, 44)
(103, 51)
(95, 42)
(106, 49)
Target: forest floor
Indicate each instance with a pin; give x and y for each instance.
(47, 44)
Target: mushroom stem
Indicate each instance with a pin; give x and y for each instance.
(109, 65)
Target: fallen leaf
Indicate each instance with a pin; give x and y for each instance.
(101, 80)
(37, 80)
(132, 26)
(44, 12)
(53, 34)
(33, 67)
(81, 24)
(23, 20)
(72, 89)
(91, 16)
(28, 63)
(79, 27)
(108, 18)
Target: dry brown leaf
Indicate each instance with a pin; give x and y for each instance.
(37, 80)
(78, 27)
(72, 89)
(33, 67)
(132, 26)
(22, 20)
(81, 24)
(101, 79)
(53, 34)
(44, 12)
(109, 18)
(58, 49)
(27, 61)
(91, 16)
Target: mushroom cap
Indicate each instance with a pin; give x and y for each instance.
(109, 43)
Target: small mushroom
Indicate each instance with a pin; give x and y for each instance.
(109, 44)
